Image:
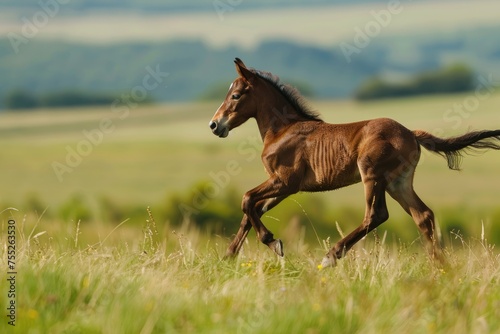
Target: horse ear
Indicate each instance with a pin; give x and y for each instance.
(242, 70)
(239, 62)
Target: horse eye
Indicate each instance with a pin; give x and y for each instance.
(236, 96)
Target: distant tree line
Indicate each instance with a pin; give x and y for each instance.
(452, 79)
(22, 99)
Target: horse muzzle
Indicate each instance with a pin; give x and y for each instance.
(219, 129)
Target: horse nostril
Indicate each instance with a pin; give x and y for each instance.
(212, 125)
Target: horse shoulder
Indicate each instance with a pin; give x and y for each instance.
(282, 155)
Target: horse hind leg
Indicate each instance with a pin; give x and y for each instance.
(402, 191)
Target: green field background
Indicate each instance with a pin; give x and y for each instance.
(151, 154)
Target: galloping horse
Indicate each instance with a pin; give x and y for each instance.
(303, 153)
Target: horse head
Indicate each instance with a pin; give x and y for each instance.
(238, 106)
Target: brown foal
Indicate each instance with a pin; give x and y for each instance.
(303, 153)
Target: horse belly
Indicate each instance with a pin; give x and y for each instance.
(331, 166)
(330, 180)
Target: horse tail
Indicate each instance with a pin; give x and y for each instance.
(452, 148)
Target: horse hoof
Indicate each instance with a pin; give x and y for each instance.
(277, 247)
(327, 261)
(229, 256)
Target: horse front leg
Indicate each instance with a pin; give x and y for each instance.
(254, 205)
(245, 225)
(239, 238)
(375, 214)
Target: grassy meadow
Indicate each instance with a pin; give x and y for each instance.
(119, 268)
(159, 281)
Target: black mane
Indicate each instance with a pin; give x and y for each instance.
(291, 94)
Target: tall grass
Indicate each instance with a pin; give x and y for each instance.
(156, 280)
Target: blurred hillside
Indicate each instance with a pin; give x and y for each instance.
(189, 69)
(133, 51)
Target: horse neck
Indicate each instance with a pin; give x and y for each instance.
(274, 113)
